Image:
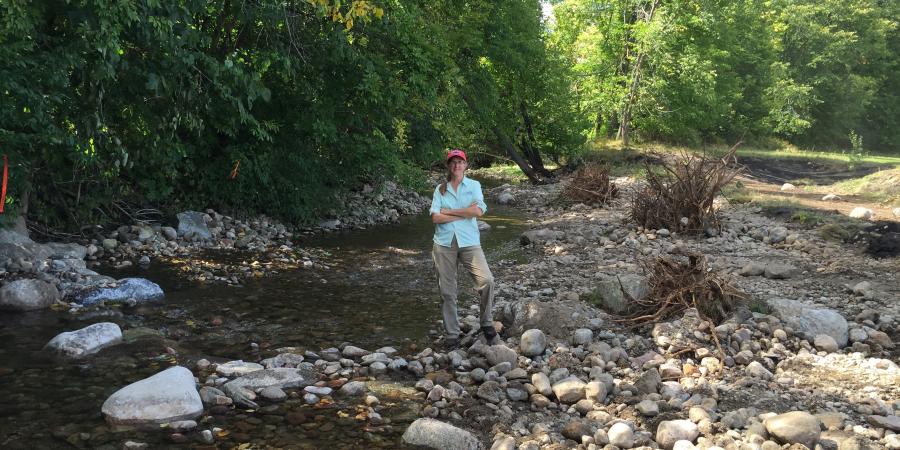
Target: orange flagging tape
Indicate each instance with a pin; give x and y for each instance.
(234, 171)
(5, 177)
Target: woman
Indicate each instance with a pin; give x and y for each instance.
(454, 208)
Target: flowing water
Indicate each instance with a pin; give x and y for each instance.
(379, 290)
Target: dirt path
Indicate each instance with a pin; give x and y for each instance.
(766, 177)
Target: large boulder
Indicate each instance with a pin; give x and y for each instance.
(616, 292)
(809, 321)
(27, 295)
(193, 224)
(242, 390)
(86, 341)
(168, 396)
(128, 289)
(557, 318)
(434, 434)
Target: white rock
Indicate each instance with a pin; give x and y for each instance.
(788, 187)
(862, 213)
(595, 391)
(569, 390)
(621, 435)
(809, 321)
(438, 435)
(830, 198)
(86, 341)
(542, 383)
(237, 368)
(533, 342)
(670, 431)
(168, 396)
(896, 212)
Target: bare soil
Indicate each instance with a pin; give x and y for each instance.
(766, 176)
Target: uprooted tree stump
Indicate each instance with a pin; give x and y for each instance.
(679, 284)
(681, 197)
(590, 185)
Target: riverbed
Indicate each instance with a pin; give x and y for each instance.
(377, 289)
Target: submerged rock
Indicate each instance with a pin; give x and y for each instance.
(128, 289)
(168, 396)
(86, 341)
(438, 435)
(304, 375)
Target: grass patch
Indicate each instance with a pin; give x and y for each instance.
(880, 187)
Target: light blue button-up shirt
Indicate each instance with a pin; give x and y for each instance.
(464, 230)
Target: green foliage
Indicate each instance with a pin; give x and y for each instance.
(715, 70)
(159, 103)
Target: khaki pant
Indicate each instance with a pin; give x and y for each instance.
(446, 260)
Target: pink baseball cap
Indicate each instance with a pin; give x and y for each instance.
(457, 153)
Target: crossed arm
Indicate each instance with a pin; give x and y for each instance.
(449, 215)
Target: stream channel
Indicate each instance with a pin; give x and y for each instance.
(379, 290)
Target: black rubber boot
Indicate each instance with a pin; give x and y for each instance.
(490, 334)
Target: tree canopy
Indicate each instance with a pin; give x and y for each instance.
(276, 107)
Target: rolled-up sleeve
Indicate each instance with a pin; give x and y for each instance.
(479, 199)
(436, 201)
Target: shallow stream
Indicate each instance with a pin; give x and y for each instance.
(379, 290)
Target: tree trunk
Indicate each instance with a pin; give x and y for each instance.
(533, 154)
(625, 127)
(504, 141)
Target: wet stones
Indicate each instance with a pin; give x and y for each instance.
(27, 295)
(237, 368)
(168, 396)
(126, 289)
(353, 389)
(86, 341)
